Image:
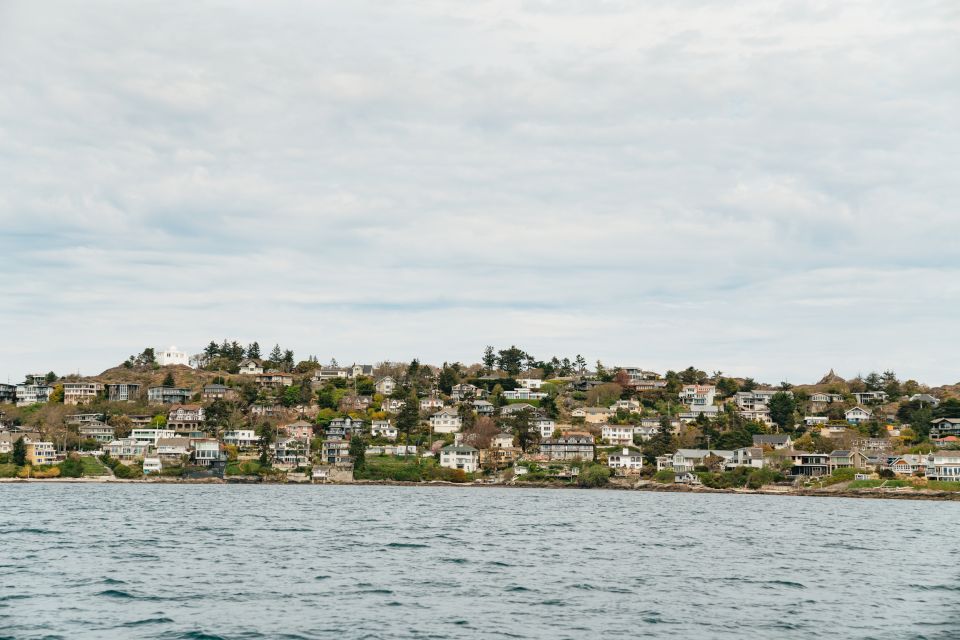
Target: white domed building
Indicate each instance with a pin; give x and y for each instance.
(172, 356)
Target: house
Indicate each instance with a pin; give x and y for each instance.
(617, 433)
(503, 440)
(33, 393)
(834, 429)
(267, 411)
(392, 405)
(446, 421)
(80, 392)
(251, 367)
(686, 460)
(533, 384)
(523, 394)
(845, 458)
(340, 428)
(710, 411)
(593, 415)
(512, 409)
(925, 399)
(40, 452)
(698, 395)
(152, 465)
(819, 401)
(7, 439)
(290, 452)
(815, 421)
(546, 426)
(208, 452)
(127, 449)
(336, 451)
(629, 406)
(329, 373)
(383, 429)
(809, 464)
(8, 393)
(462, 457)
(432, 403)
(218, 392)
(151, 436)
(361, 370)
(242, 438)
(760, 413)
(83, 418)
(172, 356)
(857, 415)
(299, 430)
(484, 408)
(96, 430)
(172, 450)
(186, 418)
(943, 466)
(168, 395)
(776, 441)
(870, 397)
(385, 386)
(746, 457)
(626, 461)
(879, 445)
(908, 464)
(122, 391)
(750, 400)
(464, 391)
(573, 445)
(941, 427)
(274, 379)
(646, 432)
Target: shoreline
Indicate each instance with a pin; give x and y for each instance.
(890, 494)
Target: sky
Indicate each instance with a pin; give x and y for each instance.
(767, 189)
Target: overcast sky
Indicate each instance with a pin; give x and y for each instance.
(764, 188)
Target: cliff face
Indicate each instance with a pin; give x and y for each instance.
(831, 378)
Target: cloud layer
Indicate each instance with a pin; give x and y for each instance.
(764, 188)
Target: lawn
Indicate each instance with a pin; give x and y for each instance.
(93, 467)
(8, 471)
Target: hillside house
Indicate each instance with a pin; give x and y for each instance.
(75, 393)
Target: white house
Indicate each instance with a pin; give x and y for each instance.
(545, 425)
(150, 436)
(385, 386)
(240, 437)
(446, 421)
(746, 457)
(172, 355)
(944, 465)
(530, 383)
(627, 459)
(460, 457)
(524, 394)
(617, 433)
(813, 421)
(698, 395)
(870, 397)
(857, 415)
(251, 367)
(152, 465)
(384, 429)
(626, 405)
(432, 403)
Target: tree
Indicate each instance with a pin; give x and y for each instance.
(276, 355)
(447, 378)
(168, 380)
(50, 377)
(253, 350)
(358, 453)
(265, 433)
(20, 452)
(489, 358)
(523, 428)
(511, 360)
(581, 363)
(481, 433)
(408, 419)
(660, 444)
(782, 409)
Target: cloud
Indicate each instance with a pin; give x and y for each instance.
(765, 189)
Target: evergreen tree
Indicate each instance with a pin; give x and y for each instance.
(489, 358)
(782, 409)
(168, 380)
(265, 433)
(253, 350)
(358, 453)
(276, 355)
(20, 452)
(409, 418)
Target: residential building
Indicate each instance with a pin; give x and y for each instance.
(168, 395)
(81, 392)
(845, 458)
(122, 391)
(871, 397)
(809, 464)
(40, 452)
(698, 395)
(385, 386)
(83, 418)
(646, 432)
(775, 441)
(865, 445)
(446, 421)
(593, 415)
(857, 415)
(465, 390)
(686, 460)
(626, 405)
(750, 400)
(484, 408)
(344, 427)
(533, 384)
(834, 429)
(171, 356)
(617, 433)
(361, 370)
(574, 445)
(290, 452)
(942, 427)
(546, 426)
(512, 409)
(820, 401)
(503, 440)
(943, 465)
(329, 373)
(274, 379)
(760, 413)
(815, 421)
(186, 418)
(908, 464)
(524, 394)
(746, 457)
(433, 403)
(127, 449)
(150, 436)
(299, 430)
(392, 405)
(96, 430)
(218, 392)
(208, 452)
(250, 367)
(925, 399)
(8, 393)
(626, 461)
(336, 451)
(28, 394)
(383, 429)
(152, 465)
(172, 450)
(462, 457)
(242, 438)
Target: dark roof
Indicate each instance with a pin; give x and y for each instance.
(770, 439)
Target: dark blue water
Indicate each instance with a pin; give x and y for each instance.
(166, 561)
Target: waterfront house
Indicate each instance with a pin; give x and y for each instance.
(462, 457)
(573, 445)
(186, 418)
(446, 421)
(242, 438)
(908, 464)
(208, 452)
(152, 465)
(172, 450)
(81, 392)
(746, 457)
(809, 464)
(857, 415)
(686, 460)
(40, 452)
(127, 449)
(845, 458)
(336, 451)
(775, 441)
(290, 452)
(625, 461)
(943, 465)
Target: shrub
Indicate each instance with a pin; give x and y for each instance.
(594, 475)
(667, 476)
(72, 467)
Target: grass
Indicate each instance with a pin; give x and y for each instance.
(937, 485)
(8, 471)
(93, 467)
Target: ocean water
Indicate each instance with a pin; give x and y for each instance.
(246, 561)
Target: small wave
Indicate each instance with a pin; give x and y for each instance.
(15, 596)
(455, 560)
(112, 581)
(31, 530)
(320, 577)
(406, 545)
(497, 563)
(516, 589)
(384, 592)
(116, 593)
(146, 621)
(935, 587)
(553, 603)
(584, 586)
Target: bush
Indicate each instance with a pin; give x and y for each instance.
(8, 470)
(72, 467)
(667, 476)
(594, 475)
